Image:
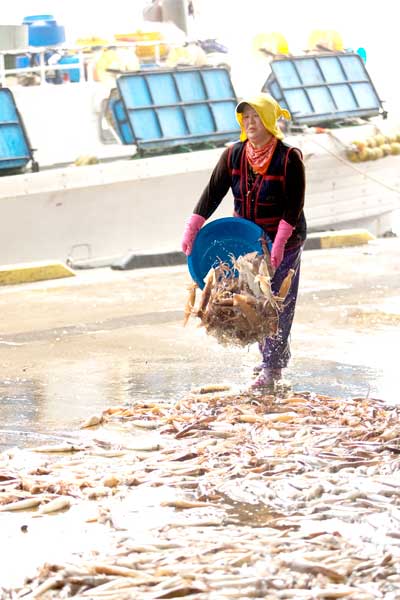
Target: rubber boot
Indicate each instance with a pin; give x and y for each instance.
(257, 369)
(266, 379)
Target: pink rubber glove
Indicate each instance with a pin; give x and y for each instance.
(191, 230)
(278, 247)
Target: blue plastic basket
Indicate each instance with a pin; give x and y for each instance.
(221, 239)
(169, 108)
(15, 150)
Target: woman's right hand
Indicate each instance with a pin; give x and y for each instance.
(191, 230)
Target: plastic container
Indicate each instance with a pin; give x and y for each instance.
(33, 18)
(22, 61)
(170, 108)
(74, 75)
(44, 31)
(222, 239)
(15, 151)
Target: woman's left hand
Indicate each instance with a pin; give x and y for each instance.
(278, 247)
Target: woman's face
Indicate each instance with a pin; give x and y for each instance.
(255, 130)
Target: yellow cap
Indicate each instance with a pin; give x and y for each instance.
(267, 109)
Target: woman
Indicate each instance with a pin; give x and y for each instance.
(267, 180)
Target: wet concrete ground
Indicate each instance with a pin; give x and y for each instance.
(70, 348)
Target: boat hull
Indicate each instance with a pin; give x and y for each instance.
(341, 194)
(106, 210)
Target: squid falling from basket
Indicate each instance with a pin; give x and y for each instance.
(237, 305)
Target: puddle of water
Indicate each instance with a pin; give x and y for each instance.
(55, 397)
(56, 404)
(344, 381)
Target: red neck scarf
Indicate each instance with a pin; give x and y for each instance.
(259, 158)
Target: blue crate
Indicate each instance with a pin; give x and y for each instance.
(119, 119)
(158, 110)
(323, 88)
(15, 151)
(74, 73)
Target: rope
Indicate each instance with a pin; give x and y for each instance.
(351, 166)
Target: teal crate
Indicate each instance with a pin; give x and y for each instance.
(15, 150)
(321, 89)
(162, 109)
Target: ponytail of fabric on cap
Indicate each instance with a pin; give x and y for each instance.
(285, 113)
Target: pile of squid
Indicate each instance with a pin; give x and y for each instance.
(237, 305)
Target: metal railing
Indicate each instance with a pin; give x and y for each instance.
(87, 58)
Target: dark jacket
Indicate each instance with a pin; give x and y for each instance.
(262, 198)
(277, 195)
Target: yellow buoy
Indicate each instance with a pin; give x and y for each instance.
(325, 38)
(386, 149)
(273, 42)
(395, 147)
(112, 61)
(191, 54)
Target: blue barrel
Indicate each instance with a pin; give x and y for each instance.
(44, 31)
(32, 18)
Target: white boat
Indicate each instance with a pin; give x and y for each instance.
(118, 206)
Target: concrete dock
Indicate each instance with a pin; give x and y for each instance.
(74, 345)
